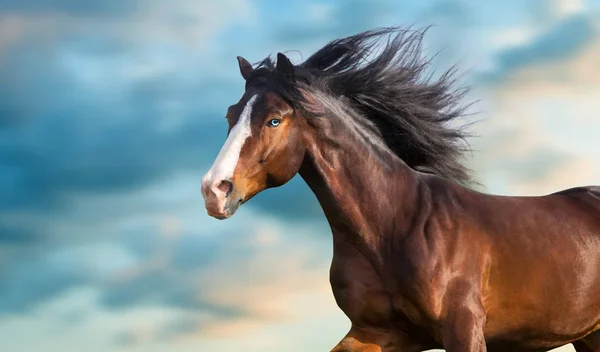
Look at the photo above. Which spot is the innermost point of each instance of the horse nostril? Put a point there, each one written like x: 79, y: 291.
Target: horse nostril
x: 226, y: 187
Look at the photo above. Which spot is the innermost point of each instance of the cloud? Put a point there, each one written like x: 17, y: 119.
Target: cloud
x: 70, y: 6
x: 47, y: 325
x: 111, y: 112
x: 32, y: 281
x: 86, y: 246
x: 548, y: 11
x: 186, y: 22
x: 181, y: 275
x: 16, y: 235
x: 68, y: 141
x: 565, y: 39
x: 11, y: 29
x: 324, y: 22
x: 134, y: 261
x: 538, y: 134
x: 41, y: 261
x: 153, y: 329
x: 176, y: 273
x: 84, y: 117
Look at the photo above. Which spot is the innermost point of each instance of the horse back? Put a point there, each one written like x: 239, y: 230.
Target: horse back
x: 587, y: 200
x: 588, y: 194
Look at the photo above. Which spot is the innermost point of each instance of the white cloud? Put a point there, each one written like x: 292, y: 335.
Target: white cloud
x: 278, y: 284
x: 542, y: 112
x: 561, y: 8
x: 548, y: 12
x: 276, y: 274
x: 93, y: 328
x: 500, y: 38
x: 274, y: 270
x: 190, y: 24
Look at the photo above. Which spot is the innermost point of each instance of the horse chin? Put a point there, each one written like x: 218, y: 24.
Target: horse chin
x: 219, y: 216
x: 228, y: 212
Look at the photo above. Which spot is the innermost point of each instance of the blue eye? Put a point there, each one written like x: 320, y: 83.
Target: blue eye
x: 273, y: 123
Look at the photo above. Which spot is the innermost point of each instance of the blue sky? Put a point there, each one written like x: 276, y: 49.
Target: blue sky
x: 111, y: 111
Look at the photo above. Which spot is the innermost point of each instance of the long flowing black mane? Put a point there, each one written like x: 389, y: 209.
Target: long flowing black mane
x: 388, y: 85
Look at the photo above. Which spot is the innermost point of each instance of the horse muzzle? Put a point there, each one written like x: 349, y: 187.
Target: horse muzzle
x: 219, y: 198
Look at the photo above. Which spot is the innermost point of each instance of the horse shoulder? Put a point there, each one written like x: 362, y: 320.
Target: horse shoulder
x: 444, y: 250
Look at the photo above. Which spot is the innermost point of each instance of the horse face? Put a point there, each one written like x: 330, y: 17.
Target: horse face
x: 263, y: 149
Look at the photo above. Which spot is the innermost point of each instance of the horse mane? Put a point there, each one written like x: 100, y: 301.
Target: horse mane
x: 387, y: 85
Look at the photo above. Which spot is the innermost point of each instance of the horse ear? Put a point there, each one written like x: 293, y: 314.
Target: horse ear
x: 284, y: 66
x: 245, y: 67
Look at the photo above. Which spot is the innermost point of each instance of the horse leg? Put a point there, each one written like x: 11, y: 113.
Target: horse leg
x: 373, y: 340
x: 463, y: 326
x: 590, y: 343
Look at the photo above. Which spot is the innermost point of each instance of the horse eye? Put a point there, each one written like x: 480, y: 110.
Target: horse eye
x: 273, y: 122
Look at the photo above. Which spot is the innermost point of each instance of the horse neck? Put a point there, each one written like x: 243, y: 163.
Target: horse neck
x: 365, y: 190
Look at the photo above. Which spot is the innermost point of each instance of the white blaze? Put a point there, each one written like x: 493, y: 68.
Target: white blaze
x: 224, y: 165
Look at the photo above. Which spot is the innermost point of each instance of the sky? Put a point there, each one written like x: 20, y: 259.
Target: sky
x: 111, y: 111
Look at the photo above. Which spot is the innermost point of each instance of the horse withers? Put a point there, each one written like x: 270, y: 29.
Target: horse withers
x: 420, y: 260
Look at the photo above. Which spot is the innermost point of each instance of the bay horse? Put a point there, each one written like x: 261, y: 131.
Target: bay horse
x: 420, y: 259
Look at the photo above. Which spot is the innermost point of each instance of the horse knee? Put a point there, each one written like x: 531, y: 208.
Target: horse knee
x: 350, y: 344
x: 358, y: 340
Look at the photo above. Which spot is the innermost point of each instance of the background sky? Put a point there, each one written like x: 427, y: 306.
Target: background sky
x: 111, y: 111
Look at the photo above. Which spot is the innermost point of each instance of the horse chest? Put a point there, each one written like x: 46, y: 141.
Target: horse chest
x: 367, y: 301
x: 364, y: 298
x: 359, y: 292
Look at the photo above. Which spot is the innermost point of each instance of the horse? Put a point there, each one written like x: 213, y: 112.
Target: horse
x: 421, y: 259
